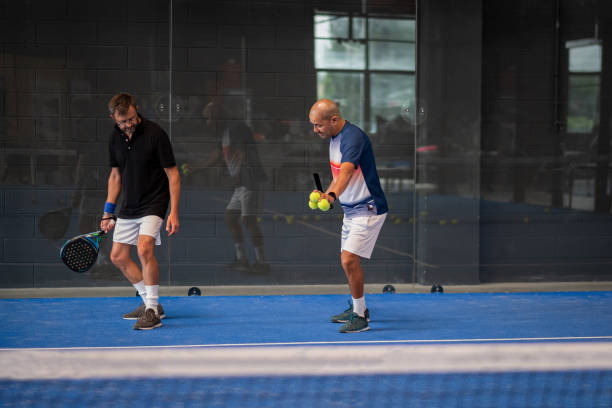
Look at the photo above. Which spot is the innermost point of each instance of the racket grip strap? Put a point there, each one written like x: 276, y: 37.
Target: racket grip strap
x: 109, y: 207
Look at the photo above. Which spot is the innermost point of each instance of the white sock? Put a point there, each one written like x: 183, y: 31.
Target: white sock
x: 259, y: 254
x: 239, y: 251
x: 142, y: 291
x: 152, y: 297
x: 359, y: 306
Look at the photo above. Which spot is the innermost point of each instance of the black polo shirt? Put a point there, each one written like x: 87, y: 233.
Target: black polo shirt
x: 141, y: 162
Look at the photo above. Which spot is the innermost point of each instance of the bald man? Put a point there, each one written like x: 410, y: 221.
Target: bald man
x: 357, y: 188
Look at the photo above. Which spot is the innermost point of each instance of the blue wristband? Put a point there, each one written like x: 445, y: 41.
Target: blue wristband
x: 109, y: 207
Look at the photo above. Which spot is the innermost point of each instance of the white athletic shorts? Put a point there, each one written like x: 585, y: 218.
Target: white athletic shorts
x: 244, y: 200
x: 359, y: 234
x: 127, y: 230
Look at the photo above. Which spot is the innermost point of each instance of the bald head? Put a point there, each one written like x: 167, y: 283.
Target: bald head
x: 326, y: 118
x: 326, y: 108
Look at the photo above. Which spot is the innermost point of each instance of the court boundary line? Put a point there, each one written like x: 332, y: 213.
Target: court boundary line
x: 306, y: 361
x: 566, y: 339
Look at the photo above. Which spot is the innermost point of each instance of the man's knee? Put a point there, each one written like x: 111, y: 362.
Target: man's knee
x: 120, y: 256
x: 146, y: 249
x: 349, y: 261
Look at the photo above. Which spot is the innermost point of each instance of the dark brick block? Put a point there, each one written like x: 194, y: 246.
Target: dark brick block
x: 288, y: 108
x: 295, y: 38
x: 16, y: 226
x: 34, y: 201
x: 255, y: 84
x: 49, y: 56
x: 195, y: 83
x: 109, y: 10
x: 148, y: 10
x: 276, y: 61
x: 18, y: 130
x: 195, y: 35
x: 65, y: 32
x: 97, y: 57
x: 22, y: 80
x: 246, y: 37
x: 24, y: 250
x: 65, y: 80
x: 133, y: 34
x: 113, y: 81
x: 303, y: 85
x: 211, y: 59
x: 92, y: 105
x: 16, y: 275
x: 40, y: 104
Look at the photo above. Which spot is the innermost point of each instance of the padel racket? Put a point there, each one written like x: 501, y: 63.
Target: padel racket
x: 80, y: 253
x: 319, y: 186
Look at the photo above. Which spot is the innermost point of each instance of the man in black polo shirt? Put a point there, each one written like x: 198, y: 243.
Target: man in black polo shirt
x: 144, y: 170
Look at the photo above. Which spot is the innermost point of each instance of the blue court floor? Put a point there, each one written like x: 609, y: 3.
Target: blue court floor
x: 304, y: 319
x: 424, y: 350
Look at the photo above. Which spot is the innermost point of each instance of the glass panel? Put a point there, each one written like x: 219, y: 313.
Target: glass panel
x: 359, y: 27
x: 391, y: 56
x: 59, y: 67
x: 392, y: 29
x: 585, y: 58
x: 390, y: 92
x: 583, y: 103
x: 334, y: 54
x: 346, y: 89
x: 331, y: 26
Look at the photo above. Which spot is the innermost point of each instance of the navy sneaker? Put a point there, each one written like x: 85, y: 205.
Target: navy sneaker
x: 345, y: 316
x: 355, y: 324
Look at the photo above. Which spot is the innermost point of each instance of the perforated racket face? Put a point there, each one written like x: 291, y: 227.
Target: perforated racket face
x: 79, y: 254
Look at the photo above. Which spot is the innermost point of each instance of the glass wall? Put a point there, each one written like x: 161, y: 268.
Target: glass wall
x: 490, y: 124
x: 231, y: 82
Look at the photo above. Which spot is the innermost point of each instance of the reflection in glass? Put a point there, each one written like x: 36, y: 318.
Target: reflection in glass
x: 346, y: 89
x: 389, y: 92
x: 584, y: 83
x: 391, y: 29
x: 331, y: 26
x: 391, y: 56
x: 371, y: 46
x: 335, y: 54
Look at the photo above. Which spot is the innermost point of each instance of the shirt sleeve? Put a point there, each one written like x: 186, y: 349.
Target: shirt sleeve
x: 351, y: 148
x: 165, y: 152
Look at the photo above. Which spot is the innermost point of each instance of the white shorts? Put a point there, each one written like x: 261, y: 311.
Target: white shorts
x: 244, y: 200
x: 127, y: 230
x: 359, y: 234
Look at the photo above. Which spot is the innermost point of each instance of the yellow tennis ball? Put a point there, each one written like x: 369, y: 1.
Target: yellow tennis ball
x: 323, y: 205
x: 314, y: 196
x: 313, y: 205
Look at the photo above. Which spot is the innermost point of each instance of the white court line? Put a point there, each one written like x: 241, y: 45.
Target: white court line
x: 323, y: 343
x: 304, y: 361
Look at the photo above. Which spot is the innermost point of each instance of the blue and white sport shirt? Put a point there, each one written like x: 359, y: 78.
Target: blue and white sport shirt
x: 364, y: 194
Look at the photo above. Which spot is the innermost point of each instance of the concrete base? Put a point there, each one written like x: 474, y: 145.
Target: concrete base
x: 125, y: 291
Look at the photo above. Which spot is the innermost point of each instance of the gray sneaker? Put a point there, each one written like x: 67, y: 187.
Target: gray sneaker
x: 139, y: 311
x: 149, y: 320
x: 345, y: 316
x: 355, y: 324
